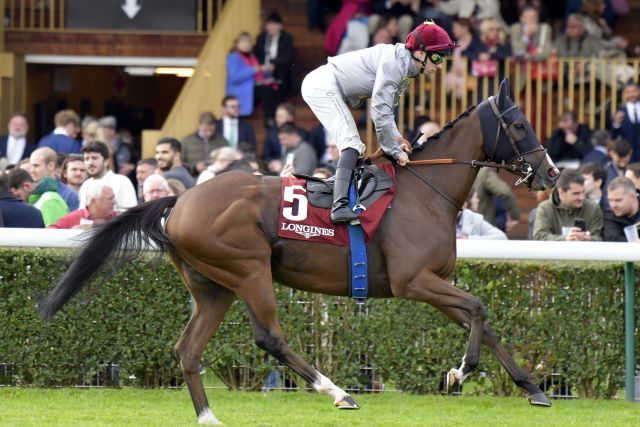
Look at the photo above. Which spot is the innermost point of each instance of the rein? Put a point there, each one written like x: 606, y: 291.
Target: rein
x: 524, y: 167
x: 434, y: 188
x: 477, y: 163
x: 473, y: 163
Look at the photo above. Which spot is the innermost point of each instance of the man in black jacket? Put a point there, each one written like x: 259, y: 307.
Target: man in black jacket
x: 236, y: 131
x: 624, y: 209
x: 274, y: 49
x: 626, y: 121
x: 15, y: 146
x: 570, y: 142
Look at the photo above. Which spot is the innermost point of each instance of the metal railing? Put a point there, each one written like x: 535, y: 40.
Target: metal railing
x: 50, y: 15
x: 591, y: 87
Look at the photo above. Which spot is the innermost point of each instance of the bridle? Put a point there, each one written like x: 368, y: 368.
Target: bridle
x: 523, y: 166
x: 516, y: 164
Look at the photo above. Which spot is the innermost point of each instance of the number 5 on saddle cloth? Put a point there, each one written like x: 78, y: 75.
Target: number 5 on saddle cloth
x: 305, y: 215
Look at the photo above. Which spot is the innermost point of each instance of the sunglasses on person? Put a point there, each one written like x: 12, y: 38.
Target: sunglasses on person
x: 437, y: 58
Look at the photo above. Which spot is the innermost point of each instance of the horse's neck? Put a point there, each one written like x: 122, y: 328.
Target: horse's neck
x: 462, y: 141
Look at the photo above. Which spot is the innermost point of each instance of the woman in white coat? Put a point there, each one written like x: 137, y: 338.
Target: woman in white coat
x: 472, y: 225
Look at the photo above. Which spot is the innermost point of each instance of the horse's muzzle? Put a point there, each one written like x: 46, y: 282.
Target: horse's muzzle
x: 541, y: 181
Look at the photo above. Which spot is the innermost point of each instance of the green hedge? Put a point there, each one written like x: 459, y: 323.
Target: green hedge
x: 551, y: 316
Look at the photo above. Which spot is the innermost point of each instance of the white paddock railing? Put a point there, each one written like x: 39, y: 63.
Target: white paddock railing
x: 476, y: 249
x: 39, y: 238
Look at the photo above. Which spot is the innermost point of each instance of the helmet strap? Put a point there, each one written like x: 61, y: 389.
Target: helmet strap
x: 422, y: 62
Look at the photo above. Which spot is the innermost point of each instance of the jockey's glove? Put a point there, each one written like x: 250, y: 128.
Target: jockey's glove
x: 403, y: 158
x: 404, y: 144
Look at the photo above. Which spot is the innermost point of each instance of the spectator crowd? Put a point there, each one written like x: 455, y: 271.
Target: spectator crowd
x: 87, y: 170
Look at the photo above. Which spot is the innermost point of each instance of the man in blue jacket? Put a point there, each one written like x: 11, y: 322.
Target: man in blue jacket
x: 63, y: 137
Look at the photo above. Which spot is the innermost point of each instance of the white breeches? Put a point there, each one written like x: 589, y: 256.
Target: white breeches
x: 321, y: 92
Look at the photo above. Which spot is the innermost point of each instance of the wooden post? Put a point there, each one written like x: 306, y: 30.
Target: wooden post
x: 443, y: 94
x: 2, y: 27
x: 369, y: 142
x: 61, y: 22
x: 199, y: 17
x: 538, y: 95
x: 592, y: 92
x: 412, y: 105
x: 549, y: 115
x: 603, y: 94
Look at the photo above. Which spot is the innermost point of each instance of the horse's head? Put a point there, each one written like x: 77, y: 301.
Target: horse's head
x: 510, y: 139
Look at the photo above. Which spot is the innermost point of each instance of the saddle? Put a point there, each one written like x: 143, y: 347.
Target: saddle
x: 372, y: 183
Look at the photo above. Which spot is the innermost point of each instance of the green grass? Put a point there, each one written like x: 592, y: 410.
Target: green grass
x: 136, y: 407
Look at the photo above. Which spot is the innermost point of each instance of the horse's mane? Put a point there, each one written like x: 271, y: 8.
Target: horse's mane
x: 379, y: 153
x: 450, y: 124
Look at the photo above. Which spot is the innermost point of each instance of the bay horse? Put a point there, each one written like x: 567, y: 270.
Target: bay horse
x: 222, y: 237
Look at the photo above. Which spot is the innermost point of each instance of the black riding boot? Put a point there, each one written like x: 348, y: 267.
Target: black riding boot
x: 340, y: 211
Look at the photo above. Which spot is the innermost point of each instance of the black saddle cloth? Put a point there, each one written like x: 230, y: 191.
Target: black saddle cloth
x: 373, y: 182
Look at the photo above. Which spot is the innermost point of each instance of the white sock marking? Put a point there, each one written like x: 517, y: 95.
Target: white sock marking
x: 207, y: 417
x: 325, y: 386
x: 459, y: 372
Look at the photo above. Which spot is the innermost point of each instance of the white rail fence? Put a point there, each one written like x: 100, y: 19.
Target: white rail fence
x: 478, y: 249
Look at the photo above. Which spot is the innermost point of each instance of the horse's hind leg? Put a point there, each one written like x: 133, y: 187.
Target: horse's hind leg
x: 211, y: 304
x: 261, y: 303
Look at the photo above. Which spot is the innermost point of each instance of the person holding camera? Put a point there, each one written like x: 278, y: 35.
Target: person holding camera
x: 568, y: 214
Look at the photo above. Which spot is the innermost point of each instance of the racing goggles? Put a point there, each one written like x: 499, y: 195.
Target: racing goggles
x: 437, y: 58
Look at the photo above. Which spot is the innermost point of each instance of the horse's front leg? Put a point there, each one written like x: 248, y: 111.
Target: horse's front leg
x: 451, y: 301
x: 468, y: 312
x: 517, y: 374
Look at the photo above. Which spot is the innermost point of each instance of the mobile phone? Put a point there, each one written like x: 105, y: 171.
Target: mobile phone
x: 580, y: 223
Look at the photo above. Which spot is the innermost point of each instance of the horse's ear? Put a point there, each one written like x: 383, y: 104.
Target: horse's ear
x: 503, y: 93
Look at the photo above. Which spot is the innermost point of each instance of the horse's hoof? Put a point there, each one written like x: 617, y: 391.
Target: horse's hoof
x: 452, y: 380
x: 347, y: 403
x: 539, y: 399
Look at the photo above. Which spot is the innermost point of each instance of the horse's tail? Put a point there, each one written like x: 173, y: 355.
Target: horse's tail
x: 111, y: 245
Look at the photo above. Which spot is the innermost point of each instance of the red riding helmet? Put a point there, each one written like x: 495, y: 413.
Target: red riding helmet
x: 429, y: 37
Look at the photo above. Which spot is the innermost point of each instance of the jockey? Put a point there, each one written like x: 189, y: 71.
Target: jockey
x: 381, y: 73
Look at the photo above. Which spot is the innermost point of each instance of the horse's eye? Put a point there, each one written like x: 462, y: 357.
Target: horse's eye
x: 519, y: 126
